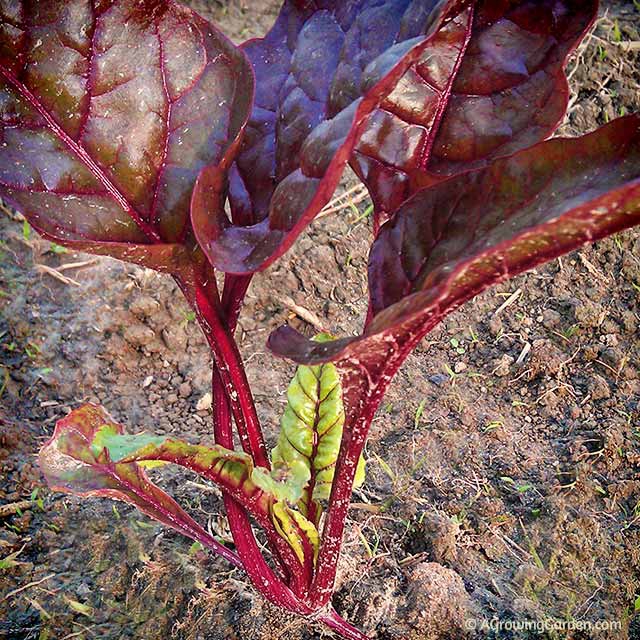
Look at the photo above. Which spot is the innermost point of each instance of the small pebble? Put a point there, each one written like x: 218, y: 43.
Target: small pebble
x: 438, y: 379
x: 139, y: 335
x: 205, y: 402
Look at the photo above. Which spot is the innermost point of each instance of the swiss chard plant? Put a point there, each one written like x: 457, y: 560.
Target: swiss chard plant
x: 135, y: 129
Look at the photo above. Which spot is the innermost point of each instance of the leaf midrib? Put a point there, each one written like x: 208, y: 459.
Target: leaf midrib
x: 81, y: 153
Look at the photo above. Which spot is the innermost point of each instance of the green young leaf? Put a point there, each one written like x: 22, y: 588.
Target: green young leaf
x: 310, y: 435
x: 90, y: 454
x: 301, y: 534
x: 82, y: 458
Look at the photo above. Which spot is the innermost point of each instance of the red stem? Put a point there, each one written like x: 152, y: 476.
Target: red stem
x: 235, y: 289
x: 298, y: 577
x: 229, y: 363
x: 353, y: 441
x: 261, y: 575
x: 200, y: 289
x: 341, y: 626
x: 228, y: 373
x: 219, y: 334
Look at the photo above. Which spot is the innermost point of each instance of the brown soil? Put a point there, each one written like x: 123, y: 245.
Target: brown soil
x: 498, y: 486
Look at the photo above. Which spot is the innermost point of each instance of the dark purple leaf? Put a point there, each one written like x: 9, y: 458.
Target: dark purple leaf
x: 108, y: 112
x: 449, y: 242
x: 497, y: 90
x: 323, y: 68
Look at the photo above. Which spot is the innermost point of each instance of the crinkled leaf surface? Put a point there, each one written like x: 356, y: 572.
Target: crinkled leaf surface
x: 305, y: 456
x: 322, y: 69
x: 78, y: 460
x: 108, y: 112
x: 489, y: 84
x: 449, y: 242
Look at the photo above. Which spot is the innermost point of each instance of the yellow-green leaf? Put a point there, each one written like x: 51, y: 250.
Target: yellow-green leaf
x: 311, y: 433
x: 296, y: 530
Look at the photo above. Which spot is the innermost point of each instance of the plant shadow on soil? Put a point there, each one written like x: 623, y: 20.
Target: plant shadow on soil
x: 499, y: 486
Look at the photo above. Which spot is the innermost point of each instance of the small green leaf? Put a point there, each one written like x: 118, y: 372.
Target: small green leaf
x: 361, y: 473
x: 10, y: 561
x: 365, y: 544
x: 195, y: 548
x: 26, y: 231
x: 617, y: 34
x: 57, y: 249
x: 310, y: 435
x: 419, y: 413
x: 367, y: 212
x: 78, y: 607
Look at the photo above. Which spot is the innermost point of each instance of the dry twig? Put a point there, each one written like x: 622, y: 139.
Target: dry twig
x: 7, y: 510
x: 305, y: 314
x: 54, y: 273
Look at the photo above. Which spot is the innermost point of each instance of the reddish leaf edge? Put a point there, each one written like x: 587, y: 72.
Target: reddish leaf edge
x: 423, y: 178
x: 235, y: 250
x: 382, y: 332
x: 150, y: 496
x: 165, y: 257
x: 77, y: 460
